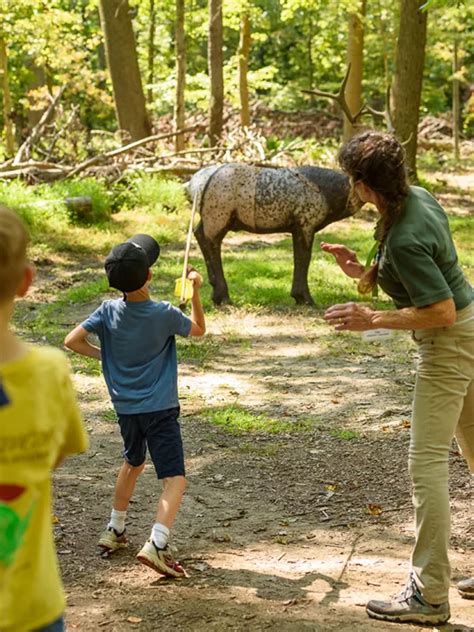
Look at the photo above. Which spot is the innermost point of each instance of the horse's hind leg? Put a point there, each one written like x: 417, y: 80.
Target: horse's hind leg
x: 211, y: 250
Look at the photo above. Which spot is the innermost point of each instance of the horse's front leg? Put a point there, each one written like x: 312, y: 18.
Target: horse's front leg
x: 302, y: 247
x: 211, y: 250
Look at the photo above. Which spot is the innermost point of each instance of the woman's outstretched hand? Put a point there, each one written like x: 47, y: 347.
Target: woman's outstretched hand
x: 350, y: 317
x: 345, y: 258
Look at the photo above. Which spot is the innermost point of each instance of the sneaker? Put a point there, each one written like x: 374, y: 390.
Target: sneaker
x: 110, y: 540
x: 160, y: 560
x: 409, y: 607
x: 466, y: 588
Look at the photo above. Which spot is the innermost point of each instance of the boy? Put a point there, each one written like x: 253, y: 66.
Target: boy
x: 138, y: 354
x: 39, y: 425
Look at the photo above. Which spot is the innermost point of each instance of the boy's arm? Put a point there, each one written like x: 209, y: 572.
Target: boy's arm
x: 77, y: 341
x: 198, y: 327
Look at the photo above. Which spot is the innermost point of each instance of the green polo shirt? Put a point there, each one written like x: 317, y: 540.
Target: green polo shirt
x: 419, y: 265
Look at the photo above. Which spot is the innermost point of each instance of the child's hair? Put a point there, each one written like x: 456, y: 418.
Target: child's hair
x: 378, y: 160
x: 13, y: 245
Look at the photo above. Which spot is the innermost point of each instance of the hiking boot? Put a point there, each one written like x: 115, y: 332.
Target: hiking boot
x: 160, y: 560
x: 110, y: 540
x: 409, y: 607
x: 466, y: 588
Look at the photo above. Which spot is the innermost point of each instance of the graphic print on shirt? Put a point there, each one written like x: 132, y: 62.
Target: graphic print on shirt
x: 12, y: 525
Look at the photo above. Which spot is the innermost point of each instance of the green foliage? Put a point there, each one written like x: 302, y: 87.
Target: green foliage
x: 38, y: 211
x: 345, y: 435
x: 239, y: 421
x: 97, y: 190
x: 295, y: 45
x: 156, y: 194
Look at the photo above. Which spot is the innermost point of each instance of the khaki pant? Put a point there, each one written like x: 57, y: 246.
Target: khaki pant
x: 443, y: 407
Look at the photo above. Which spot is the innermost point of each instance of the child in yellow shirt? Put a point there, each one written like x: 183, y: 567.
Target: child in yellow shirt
x: 39, y: 425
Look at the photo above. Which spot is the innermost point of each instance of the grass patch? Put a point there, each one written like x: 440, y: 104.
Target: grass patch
x: 238, y: 421
x: 83, y: 364
x: 197, y: 351
x: 109, y: 416
x: 345, y: 435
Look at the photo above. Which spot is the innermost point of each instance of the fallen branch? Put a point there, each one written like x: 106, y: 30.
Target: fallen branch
x: 25, y: 148
x: 122, y: 150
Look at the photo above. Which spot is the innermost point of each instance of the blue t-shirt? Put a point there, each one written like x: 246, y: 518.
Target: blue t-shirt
x: 138, y: 350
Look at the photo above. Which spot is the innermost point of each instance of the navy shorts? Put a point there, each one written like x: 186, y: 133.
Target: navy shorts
x: 159, y: 431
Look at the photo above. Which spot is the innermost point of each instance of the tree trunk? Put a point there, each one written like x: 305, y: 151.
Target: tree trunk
x: 36, y: 80
x: 7, y: 104
x: 456, y: 99
x: 123, y: 66
x: 151, y: 51
x: 179, y: 112
x: 244, y: 52
x: 408, y: 79
x: 216, y: 72
x: 355, y: 57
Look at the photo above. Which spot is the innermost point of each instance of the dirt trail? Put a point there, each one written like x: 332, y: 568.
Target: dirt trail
x: 278, y: 532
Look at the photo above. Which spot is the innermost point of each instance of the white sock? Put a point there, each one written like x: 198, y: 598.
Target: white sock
x: 160, y: 535
x: 117, y: 520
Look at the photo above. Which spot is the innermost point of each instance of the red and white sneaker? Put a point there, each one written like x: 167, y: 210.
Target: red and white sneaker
x: 160, y: 560
x: 110, y: 540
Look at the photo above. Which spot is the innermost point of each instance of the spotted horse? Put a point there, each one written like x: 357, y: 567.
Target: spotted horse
x: 299, y: 200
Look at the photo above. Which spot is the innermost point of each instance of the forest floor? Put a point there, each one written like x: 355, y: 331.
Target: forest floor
x: 288, y: 530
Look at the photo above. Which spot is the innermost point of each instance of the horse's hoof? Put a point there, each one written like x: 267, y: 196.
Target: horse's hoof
x: 221, y: 301
x: 304, y: 300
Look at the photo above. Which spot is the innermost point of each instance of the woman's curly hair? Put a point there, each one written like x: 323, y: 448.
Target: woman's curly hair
x: 378, y: 160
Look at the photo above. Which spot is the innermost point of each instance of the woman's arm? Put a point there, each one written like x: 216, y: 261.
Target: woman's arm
x: 360, y: 317
x: 345, y: 258
x: 77, y: 341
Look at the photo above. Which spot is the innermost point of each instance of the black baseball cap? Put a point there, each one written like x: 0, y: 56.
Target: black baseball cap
x: 128, y: 263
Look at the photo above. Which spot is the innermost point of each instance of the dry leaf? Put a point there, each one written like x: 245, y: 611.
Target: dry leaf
x: 406, y: 423
x: 374, y: 510
x: 134, y: 619
x: 55, y: 520
x: 330, y: 488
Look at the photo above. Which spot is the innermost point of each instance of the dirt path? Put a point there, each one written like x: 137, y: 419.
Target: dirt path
x: 280, y: 532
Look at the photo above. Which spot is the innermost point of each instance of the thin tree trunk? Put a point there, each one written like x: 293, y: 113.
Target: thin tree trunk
x: 456, y: 99
x: 310, y: 53
x: 7, y: 104
x: 408, y: 79
x: 123, y: 66
x: 179, y: 110
x: 385, y: 46
x: 244, y: 52
x: 216, y: 72
x: 355, y: 57
x: 151, y: 51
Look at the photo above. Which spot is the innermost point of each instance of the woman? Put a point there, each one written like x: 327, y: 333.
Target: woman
x: 416, y: 265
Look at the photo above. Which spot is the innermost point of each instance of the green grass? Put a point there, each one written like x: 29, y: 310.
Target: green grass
x: 198, y: 351
x: 259, y: 275
x: 345, y: 435
x: 83, y: 364
x: 109, y: 416
x: 239, y: 421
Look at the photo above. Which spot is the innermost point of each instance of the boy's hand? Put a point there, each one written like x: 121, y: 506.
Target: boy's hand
x: 194, y: 276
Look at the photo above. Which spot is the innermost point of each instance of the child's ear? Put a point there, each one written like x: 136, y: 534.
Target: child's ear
x: 26, y: 281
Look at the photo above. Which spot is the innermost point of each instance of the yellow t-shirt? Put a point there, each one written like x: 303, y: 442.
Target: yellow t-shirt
x: 39, y: 423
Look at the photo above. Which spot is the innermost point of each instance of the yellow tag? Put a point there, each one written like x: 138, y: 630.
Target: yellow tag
x: 188, y: 289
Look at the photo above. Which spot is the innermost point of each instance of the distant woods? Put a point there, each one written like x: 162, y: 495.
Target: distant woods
x: 147, y: 66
